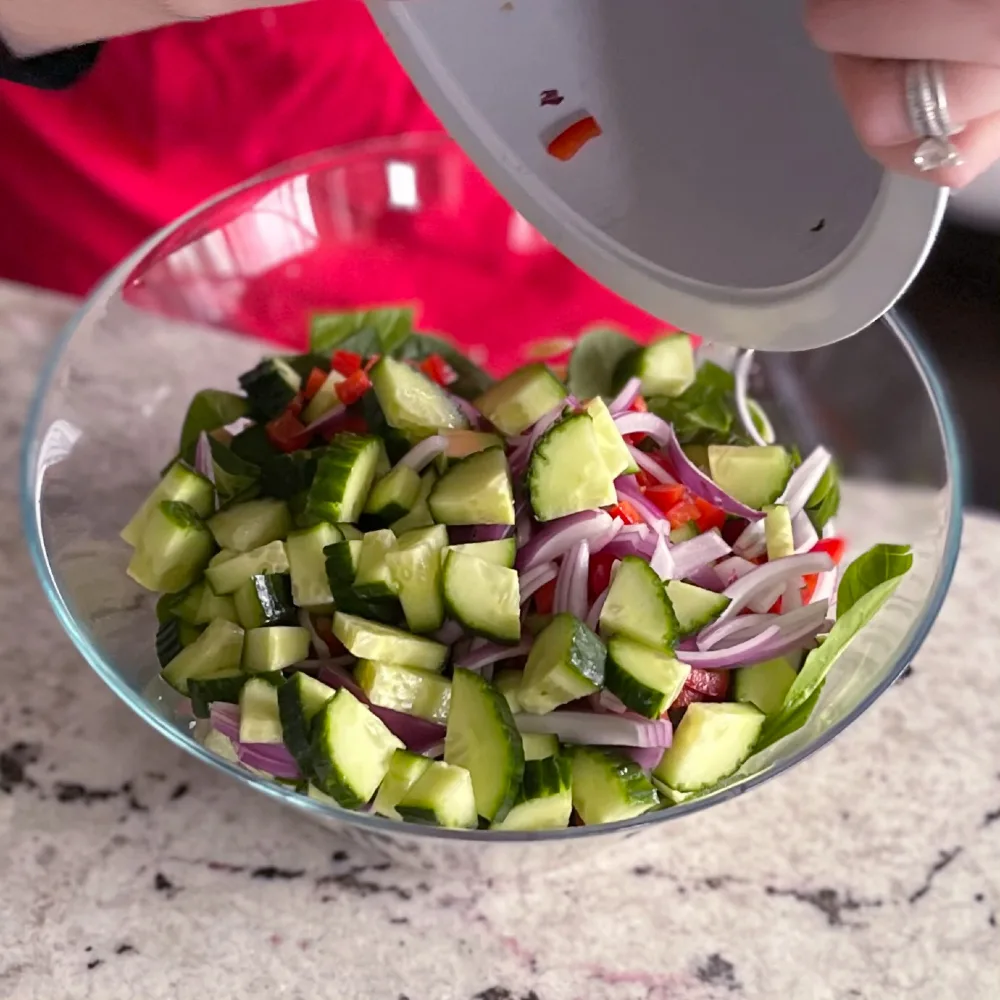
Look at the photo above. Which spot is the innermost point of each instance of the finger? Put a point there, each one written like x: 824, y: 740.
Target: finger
x: 874, y: 91
x: 956, y: 30
x: 979, y: 145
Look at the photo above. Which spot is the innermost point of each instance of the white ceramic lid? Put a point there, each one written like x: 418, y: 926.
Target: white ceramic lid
x: 727, y: 193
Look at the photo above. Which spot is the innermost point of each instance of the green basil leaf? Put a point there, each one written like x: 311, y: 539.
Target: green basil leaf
x: 824, y: 502
x: 235, y: 478
x: 874, y: 567
x: 780, y: 725
x: 366, y: 332
x: 209, y: 410
x: 595, y: 357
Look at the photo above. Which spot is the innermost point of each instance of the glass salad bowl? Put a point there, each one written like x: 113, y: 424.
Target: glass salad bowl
x: 410, y: 220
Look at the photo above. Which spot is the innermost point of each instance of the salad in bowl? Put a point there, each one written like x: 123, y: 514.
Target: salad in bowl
x: 591, y: 589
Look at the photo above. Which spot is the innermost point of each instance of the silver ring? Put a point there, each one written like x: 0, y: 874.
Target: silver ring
x: 927, y: 109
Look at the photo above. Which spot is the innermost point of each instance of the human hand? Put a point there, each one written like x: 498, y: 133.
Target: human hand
x: 872, y: 41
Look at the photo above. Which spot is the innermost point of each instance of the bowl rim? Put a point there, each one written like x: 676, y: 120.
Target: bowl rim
x: 30, y: 481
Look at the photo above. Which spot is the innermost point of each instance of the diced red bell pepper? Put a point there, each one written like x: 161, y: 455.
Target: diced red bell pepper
x: 709, y: 516
x: 600, y: 574
x: 625, y: 512
x: 545, y: 598
x: 571, y: 140
x: 834, y: 548
x: 639, y: 405
x: 346, y: 362
x: 286, y: 432
x: 353, y: 388
x: 438, y: 370
x: 666, y: 495
x: 314, y: 383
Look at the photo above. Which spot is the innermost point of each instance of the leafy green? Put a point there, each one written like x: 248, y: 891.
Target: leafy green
x: 209, y: 410
x: 366, y: 332
x: 781, y: 725
x: 303, y: 364
x: 253, y: 445
x: 284, y: 476
x: 472, y: 380
x: 705, y: 413
x: 824, y: 502
x: 593, y: 362
x: 879, y: 564
x: 235, y: 478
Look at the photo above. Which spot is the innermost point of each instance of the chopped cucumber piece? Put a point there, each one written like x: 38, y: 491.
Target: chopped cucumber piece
x: 405, y: 689
x: 502, y: 552
x: 483, y: 597
x: 350, y: 532
x: 415, y: 565
x: 222, y: 746
x: 610, y: 442
x: 566, y: 662
x: 516, y: 402
x: 538, y: 746
x: 420, y: 513
x: 183, y: 605
x: 645, y: 680
x: 404, y: 769
x: 173, y: 549
x: 344, y: 476
x: 608, y: 787
x: 508, y: 683
x: 567, y: 472
x: 411, y: 402
x: 250, y: 525
x: 475, y: 490
x: 211, y: 606
x: 342, y: 561
x: 274, y: 648
x: 265, y: 599
x: 178, y: 483
x: 168, y: 641
x: 462, y: 444
x: 203, y: 691
x: 637, y: 606
x: 394, y: 495
x: 694, y: 607
x: 368, y: 640
x: 545, y: 800
x: 227, y: 577
x: 326, y: 398
x: 442, y: 796
x: 665, y: 367
x: 259, y: 718
x: 778, y: 533
x: 482, y: 738
x: 684, y: 533
x: 374, y: 578
x: 755, y: 475
x: 711, y: 742
x: 270, y: 387
x: 307, y: 563
x: 300, y: 699
x: 350, y: 750
x: 764, y: 685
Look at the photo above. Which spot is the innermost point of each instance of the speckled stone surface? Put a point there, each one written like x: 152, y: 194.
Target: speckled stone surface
x: 130, y: 870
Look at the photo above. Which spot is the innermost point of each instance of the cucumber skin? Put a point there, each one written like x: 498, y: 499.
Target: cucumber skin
x: 327, y: 499
x: 267, y: 388
x: 641, y: 699
x: 637, y: 793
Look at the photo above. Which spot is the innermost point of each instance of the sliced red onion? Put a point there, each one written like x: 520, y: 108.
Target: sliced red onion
x: 435, y: 752
x: 594, y: 729
x: 421, y: 455
x: 697, y: 482
x: 732, y: 569
x: 646, y: 757
x: 272, y: 758
x: 804, y: 535
x: 826, y: 585
x: 225, y: 718
x: 625, y: 486
x: 694, y: 554
x: 804, y: 480
x: 318, y: 643
x: 740, y: 655
x: 650, y: 465
x: 328, y: 420
x: 752, y: 542
x: 576, y: 585
x: 661, y: 561
x: 463, y: 534
x: 608, y: 702
x: 519, y: 458
x: 594, y: 615
x: 791, y: 598
x: 599, y: 543
x: 417, y: 734
x: 736, y: 630
x: 631, y: 545
x: 468, y: 411
x: 557, y: 537
x: 645, y: 423
x: 741, y: 374
x: 484, y: 653
x: 448, y: 634
x: 704, y: 577
x: 203, y: 463
x: 763, y: 579
x: 523, y: 522
x: 534, y: 579
x: 629, y: 391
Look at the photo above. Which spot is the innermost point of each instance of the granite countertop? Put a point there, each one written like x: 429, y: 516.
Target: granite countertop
x: 130, y: 870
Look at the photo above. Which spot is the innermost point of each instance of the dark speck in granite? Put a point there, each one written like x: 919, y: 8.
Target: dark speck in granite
x: 642, y: 870
x: 906, y: 674
x: 162, y: 884
x: 399, y: 920
x: 124, y: 949
x: 225, y: 866
x: 717, y: 971
x: 71, y: 791
x: 14, y: 762
x: 828, y: 901
x: 94, y: 963
x: 502, y: 993
x: 179, y: 792
x: 945, y: 858
x: 339, y: 856
x: 991, y: 817
x: 270, y: 872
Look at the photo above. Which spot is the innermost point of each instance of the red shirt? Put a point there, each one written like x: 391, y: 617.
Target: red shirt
x: 169, y: 117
